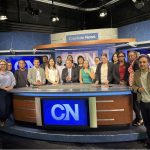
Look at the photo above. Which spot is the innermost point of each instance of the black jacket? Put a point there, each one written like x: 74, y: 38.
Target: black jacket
x: 109, y: 74
x: 74, y: 75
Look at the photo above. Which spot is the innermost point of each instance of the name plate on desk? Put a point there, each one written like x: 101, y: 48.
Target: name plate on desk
x: 65, y: 112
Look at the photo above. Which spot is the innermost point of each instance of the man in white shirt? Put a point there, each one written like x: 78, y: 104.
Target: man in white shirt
x: 104, y: 71
x: 59, y: 66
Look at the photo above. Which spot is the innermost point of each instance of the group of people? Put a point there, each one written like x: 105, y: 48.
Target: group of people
x: 134, y: 73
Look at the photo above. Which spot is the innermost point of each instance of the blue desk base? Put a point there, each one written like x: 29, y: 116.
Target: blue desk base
x: 131, y: 134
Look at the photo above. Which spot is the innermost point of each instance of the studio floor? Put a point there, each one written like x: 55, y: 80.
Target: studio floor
x: 15, y: 142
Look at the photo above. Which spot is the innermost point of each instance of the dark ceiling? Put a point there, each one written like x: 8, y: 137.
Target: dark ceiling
x: 120, y: 12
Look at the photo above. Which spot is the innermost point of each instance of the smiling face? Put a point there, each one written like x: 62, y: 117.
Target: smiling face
x: 45, y: 59
x: 115, y: 58
x: 143, y: 63
x: 3, y: 65
x: 70, y: 58
x: 85, y: 64
x: 80, y: 60
x: 69, y: 63
x: 104, y: 59
x: 51, y: 62
x: 59, y: 60
x: 121, y: 57
x: 21, y: 64
x: 9, y: 66
x: 36, y: 63
x: 132, y: 56
x: 97, y: 61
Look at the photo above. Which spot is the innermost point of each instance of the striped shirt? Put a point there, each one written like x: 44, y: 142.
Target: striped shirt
x: 7, y: 79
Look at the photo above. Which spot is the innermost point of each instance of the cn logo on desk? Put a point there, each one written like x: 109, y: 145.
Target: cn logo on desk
x: 65, y: 112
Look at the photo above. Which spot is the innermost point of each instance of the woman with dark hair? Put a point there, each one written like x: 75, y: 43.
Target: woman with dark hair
x: 120, y: 71
x: 115, y: 58
x: 86, y: 74
x: 51, y: 72
x: 7, y: 82
x: 80, y: 61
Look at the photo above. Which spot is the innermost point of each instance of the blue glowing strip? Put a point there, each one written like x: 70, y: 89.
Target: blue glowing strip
x: 73, y: 94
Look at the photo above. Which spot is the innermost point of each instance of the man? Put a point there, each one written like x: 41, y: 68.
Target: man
x: 96, y: 61
x: 9, y: 66
x: 45, y: 62
x: 71, y: 59
x: 36, y: 75
x: 141, y: 86
x: 70, y: 74
x: 21, y: 75
x: 104, y: 71
x: 59, y: 61
x: 132, y: 56
x: 59, y: 66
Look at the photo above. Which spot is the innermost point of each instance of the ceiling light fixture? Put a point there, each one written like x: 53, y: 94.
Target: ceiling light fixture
x: 138, y: 3
x: 103, y: 13
x: 3, y: 17
x: 54, y: 18
x: 3, y: 10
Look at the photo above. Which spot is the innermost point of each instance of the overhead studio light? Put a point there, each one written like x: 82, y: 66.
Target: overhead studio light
x: 54, y: 17
x: 103, y: 13
x: 3, y: 17
x: 3, y: 10
x: 138, y: 3
x: 134, y: 1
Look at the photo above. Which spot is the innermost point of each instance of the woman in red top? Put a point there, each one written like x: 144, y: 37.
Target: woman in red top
x: 120, y: 71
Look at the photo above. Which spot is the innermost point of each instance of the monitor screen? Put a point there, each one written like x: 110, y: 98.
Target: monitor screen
x: 64, y: 112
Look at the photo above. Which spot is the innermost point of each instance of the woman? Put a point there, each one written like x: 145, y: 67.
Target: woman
x: 80, y: 61
x: 120, y: 71
x: 104, y: 71
x: 51, y: 72
x: 115, y: 58
x: 7, y: 82
x: 86, y: 74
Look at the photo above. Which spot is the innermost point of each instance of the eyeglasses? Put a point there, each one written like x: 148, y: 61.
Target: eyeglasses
x: 142, y: 62
x: 2, y: 64
x: 121, y: 56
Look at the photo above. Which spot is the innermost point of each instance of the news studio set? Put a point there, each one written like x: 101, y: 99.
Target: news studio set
x: 74, y: 112
x: 50, y: 112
